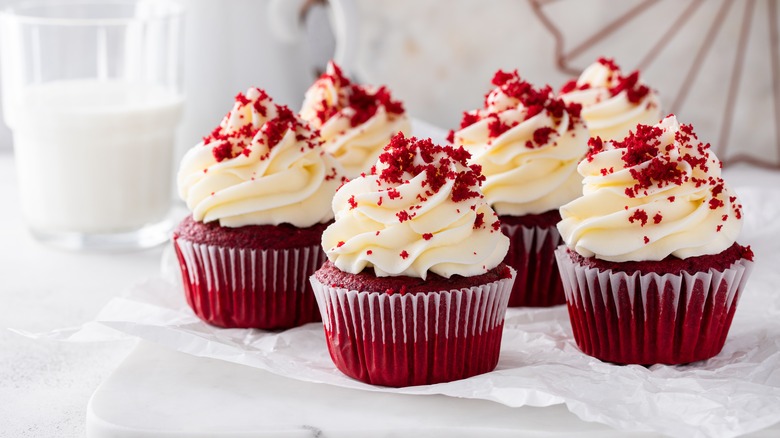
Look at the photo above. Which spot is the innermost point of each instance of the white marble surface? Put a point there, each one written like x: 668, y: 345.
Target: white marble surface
x: 158, y: 391
x: 45, y: 385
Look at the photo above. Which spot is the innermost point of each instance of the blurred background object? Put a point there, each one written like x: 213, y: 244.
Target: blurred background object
x: 715, y: 63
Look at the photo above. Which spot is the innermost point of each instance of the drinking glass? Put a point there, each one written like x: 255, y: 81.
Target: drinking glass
x: 92, y: 92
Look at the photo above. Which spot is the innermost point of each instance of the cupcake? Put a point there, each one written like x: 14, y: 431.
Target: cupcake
x: 612, y: 104
x: 355, y: 121
x: 259, y: 188
x: 651, y: 267
x: 528, y: 143
x: 414, y: 291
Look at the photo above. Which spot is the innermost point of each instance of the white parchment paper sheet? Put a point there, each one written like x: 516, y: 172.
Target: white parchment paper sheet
x: 734, y: 393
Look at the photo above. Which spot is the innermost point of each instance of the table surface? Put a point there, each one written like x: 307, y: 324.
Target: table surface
x: 49, y: 383
x: 45, y: 385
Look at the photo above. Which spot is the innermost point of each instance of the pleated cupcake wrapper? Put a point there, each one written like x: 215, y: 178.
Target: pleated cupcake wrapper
x: 651, y: 318
x: 248, y: 288
x: 414, y: 339
x: 532, y: 254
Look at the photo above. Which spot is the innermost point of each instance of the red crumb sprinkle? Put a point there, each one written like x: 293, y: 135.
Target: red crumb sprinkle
x: 542, y: 135
x: 404, y: 255
x: 496, y: 225
x: 747, y: 253
x: 657, y: 218
x: 718, y: 228
x: 332, y: 175
x: 595, y: 145
x: 639, y: 215
x: 393, y: 193
x: 340, y: 244
x: 439, y: 163
x: 569, y: 86
x: 534, y: 100
x: 634, y: 89
x: 671, y: 198
x: 497, y: 127
x: 608, y: 62
x: 352, y: 202
x: 479, y: 220
x: 451, y: 136
x: 276, y: 128
x: 235, y: 141
x: 647, y: 240
x: 427, y: 236
x: 240, y: 98
x: 223, y: 151
x: 715, y: 203
x: 369, y: 252
x: 642, y: 147
x: 403, y: 216
x: 362, y: 101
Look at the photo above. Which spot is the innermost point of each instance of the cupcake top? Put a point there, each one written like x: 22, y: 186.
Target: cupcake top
x: 656, y: 193
x: 355, y: 121
x: 612, y: 104
x: 261, y: 166
x: 419, y: 209
x: 528, y: 143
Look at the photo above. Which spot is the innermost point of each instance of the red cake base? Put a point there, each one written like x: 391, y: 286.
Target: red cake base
x: 249, y: 277
x: 416, y: 337
x: 532, y: 242
x: 653, y: 312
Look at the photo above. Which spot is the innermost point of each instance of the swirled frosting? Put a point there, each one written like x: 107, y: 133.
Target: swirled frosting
x: 355, y: 121
x: 656, y: 193
x: 528, y: 143
x: 261, y: 166
x: 419, y: 210
x: 612, y: 104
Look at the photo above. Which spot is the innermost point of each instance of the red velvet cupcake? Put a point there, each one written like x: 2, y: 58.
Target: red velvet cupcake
x: 528, y: 143
x: 415, y: 291
x: 652, y: 273
x: 259, y: 187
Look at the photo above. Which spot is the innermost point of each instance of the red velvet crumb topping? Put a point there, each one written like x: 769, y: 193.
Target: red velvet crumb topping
x: 534, y: 100
x: 399, y: 160
x: 635, y: 90
x: 363, y: 101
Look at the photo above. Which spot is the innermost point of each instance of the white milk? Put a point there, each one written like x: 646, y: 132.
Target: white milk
x: 94, y: 157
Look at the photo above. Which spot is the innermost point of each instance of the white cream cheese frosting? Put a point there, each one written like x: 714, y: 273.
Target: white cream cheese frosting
x: 658, y: 192
x: 419, y: 210
x: 612, y: 104
x: 355, y: 121
x: 528, y: 143
x: 261, y: 166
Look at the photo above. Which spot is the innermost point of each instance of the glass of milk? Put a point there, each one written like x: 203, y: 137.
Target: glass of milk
x: 92, y: 91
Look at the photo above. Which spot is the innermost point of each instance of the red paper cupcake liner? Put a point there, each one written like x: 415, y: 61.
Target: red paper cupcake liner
x: 650, y: 318
x: 532, y: 254
x: 247, y: 288
x: 414, y: 339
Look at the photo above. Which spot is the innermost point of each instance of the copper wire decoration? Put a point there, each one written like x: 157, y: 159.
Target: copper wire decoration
x: 731, y: 141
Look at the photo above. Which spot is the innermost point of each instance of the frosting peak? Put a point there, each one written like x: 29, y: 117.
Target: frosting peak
x: 612, y: 104
x: 420, y: 209
x: 355, y: 121
x: 261, y: 166
x: 656, y: 193
x: 528, y: 143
